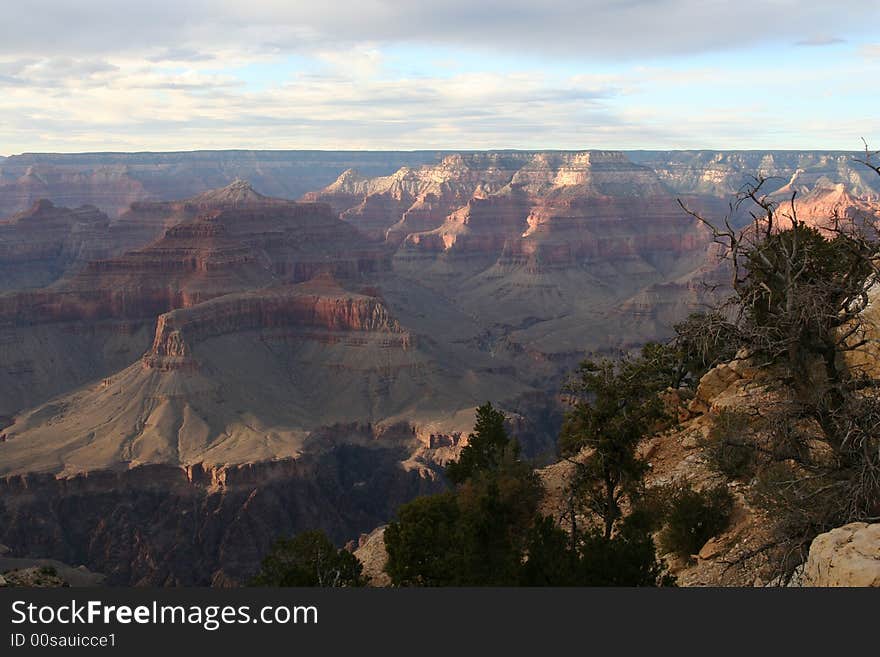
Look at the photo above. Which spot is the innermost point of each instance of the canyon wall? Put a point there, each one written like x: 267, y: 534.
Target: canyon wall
x: 112, y: 181
x: 214, y: 366
x: 169, y: 526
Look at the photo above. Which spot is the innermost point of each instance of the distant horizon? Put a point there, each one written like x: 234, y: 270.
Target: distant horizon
x: 438, y: 150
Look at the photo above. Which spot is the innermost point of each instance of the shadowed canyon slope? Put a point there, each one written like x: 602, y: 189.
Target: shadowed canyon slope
x: 40, y: 244
x: 234, y: 365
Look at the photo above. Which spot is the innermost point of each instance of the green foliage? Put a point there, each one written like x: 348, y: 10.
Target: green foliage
x: 797, y: 264
x: 799, y: 294
x: 648, y: 511
x: 309, y: 559
x: 624, y: 560
x: 695, y: 517
x: 486, y: 532
x: 627, y: 559
x: 474, y: 535
x: 422, y: 544
x: 779, y: 489
x: 615, y: 405
x: 550, y: 559
x: 493, y: 527
x: 729, y: 449
x: 488, y: 446
x: 797, y: 307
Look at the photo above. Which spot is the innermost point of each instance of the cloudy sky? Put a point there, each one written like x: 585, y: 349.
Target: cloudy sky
x: 85, y: 75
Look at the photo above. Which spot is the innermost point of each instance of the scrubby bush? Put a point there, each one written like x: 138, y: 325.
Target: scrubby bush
x: 695, y: 517
x: 729, y: 449
x: 627, y: 559
x: 309, y: 559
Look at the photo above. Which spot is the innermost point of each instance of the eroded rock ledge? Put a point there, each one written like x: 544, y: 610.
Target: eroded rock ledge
x: 162, y: 525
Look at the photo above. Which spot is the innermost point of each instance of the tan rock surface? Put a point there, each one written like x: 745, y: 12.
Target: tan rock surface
x: 372, y: 554
x: 845, y: 556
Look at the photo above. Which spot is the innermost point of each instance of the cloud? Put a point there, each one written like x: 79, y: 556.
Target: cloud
x: 871, y: 51
x: 177, y: 54
x: 364, y: 61
x: 130, y: 104
x: 820, y: 41
x: 579, y: 28
x: 177, y: 74
x: 334, y: 107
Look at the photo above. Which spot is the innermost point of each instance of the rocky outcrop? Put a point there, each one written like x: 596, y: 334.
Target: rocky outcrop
x: 415, y: 201
x: 112, y: 181
x: 723, y: 173
x: 43, y: 243
x: 45, y: 573
x: 32, y: 578
x: 229, y: 241
x: 370, y: 551
x: 737, y: 556
x: 146, y: 221
x: 319, y: 307
x: 559, y: 246
x: 724, y: 385
x: 238, y: 332
x: 27, y: 179
x: 846, y: 556
x: 485, y: 225
x: 91, y: 322
x: 827, y: 204
x: 164, y: 525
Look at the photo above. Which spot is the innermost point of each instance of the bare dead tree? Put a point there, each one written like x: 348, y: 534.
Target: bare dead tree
x: 870, y: 158
x: 798, y: 299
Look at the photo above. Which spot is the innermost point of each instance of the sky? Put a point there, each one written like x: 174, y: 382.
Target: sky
x: 113, y: 75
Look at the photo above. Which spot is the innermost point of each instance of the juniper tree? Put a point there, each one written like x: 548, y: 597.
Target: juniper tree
x: 798, y: 299
x: 614, y: 405
x: 487, y: 447
x: 309, y: 559
x: 475, y: 534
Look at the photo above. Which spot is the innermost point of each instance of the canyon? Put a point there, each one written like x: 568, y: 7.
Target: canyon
x: 113, y: 181
x: 193, y: 364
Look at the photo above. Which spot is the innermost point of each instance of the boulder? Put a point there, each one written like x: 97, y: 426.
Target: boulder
x: 846, y: 556
x: 712, y: 384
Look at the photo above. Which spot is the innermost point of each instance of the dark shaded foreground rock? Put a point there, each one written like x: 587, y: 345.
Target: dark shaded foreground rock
x: 170, y: 526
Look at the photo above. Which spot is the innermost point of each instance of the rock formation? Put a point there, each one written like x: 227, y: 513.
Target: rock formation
x: 234, y: 366
x: 43, y: 243
x: 846, y: 556
x: 721, y: 173
x: 171, y: 526
x: 113, y: 181
x: 44, y: 573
